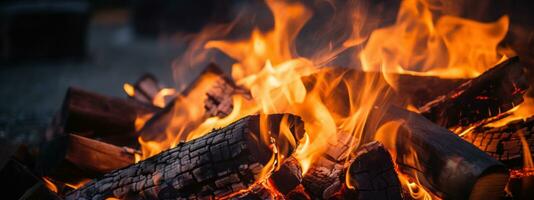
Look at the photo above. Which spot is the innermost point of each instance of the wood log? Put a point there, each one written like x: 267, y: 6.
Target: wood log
x: 178, y: 108
x: 504, y: 143
x: 218, y: 164
x: 326, y: 170
x: 494, y: 92
x: 101, y: 117
x: 219, y: 102
x: 372, y: 174
x: 73, y: 158
x: 146, y: 88
x: 445, y: 164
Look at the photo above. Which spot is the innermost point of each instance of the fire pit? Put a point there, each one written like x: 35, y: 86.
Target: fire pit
x: 377, y: 101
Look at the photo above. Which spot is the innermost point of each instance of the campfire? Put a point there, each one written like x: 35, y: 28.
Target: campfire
x: 422, y: 106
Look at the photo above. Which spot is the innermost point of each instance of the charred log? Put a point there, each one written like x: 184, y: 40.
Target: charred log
x: 494, y: 92
x: 328, y: 168
x: 373, y: 175
x: 96, y: 116
x: 73, y: 158
x: 504, y: 143
x: 444, y: 163
x: 218, y: 164
x: 219, y: 98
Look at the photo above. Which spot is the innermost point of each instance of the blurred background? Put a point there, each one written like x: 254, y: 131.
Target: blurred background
x: 48, y: 45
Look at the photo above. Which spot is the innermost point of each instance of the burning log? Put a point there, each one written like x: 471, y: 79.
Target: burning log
x: 504, y: 143
x: 96, y: 116
x: 494, y: 92
x: 218, y: 164
x: 144, y: 89
x: 219, y: 101
x: 328, y: 168
x: 443, y: 162
x: 73, y: 158
x: 373, y: 175
x: 196, y: 91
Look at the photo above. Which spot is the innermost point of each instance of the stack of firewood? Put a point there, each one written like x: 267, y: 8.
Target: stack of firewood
x: 91, y: 146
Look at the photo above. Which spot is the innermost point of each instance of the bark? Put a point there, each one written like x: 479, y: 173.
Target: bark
x: 218, y: 164
x: 73, y: 158
x: 494, y: 92
x: 373, y: 175
x: 504, y: 143
x: 444, y: 163
x: 97, y: 116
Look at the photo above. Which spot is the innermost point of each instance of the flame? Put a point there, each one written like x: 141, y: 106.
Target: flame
x: 49, y: 184
x: 449, y: 47
x: 159, y: 99
x: 387, y: 134
x: 78, y: 184
x: 129, y: 89
x: 332, y: 103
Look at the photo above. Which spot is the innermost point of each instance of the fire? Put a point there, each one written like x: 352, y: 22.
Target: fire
x: 49, y: 184
x: 269, y: 66
x: 159, y: 99
x: 449, y: 47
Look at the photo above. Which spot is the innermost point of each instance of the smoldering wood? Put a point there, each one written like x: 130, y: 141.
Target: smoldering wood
x: 447, y: 165
x: 494, y: 92
x: 73, y: 158
x: 327, y: 169
x: 504, y: 143
x: 162, y: 120
x: 372, y: 174
x: 222, y: 162
x: 284, y: 180
x: 219, y: 100
x: 146, y: 88
x: 97, y: 116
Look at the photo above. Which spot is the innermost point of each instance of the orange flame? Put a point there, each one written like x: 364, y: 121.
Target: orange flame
x: 334, y: 102
x: 48, y: 183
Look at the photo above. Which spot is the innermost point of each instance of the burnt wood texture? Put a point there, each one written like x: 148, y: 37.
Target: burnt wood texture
x: 494, y: 92
x: 504, y: 143
x: 372, y: 174
x: 446, y: 164
x: 218, y: 164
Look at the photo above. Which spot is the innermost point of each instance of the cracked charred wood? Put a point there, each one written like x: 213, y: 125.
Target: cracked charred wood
x: 221, y: 163
x: 327, y: 169
x: 73, y: 158
x: 504, y: 143
x: 219, y: 98
x: 494, y: 92
x: 444, y: 163
x: 284, y: 181
x: 97, y: 116
x: 372, y: 174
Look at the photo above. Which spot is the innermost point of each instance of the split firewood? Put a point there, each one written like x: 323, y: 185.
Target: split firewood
x: 219, y: 164
x: 177, y: 109
x: 372, y: 174
x: 444, y: 163
x: 494, y: 92
x: 73, y: 158
x: 101, y: 117
x: 219, y: 102
x: 144, y: 89
x: 504, y: 143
